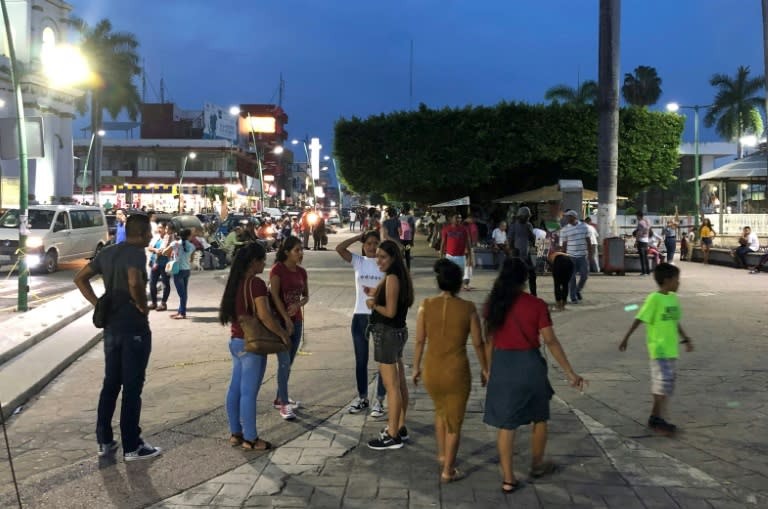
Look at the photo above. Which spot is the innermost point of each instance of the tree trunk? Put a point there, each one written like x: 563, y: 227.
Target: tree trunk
x: 608, y: 116
x: 97, y: 115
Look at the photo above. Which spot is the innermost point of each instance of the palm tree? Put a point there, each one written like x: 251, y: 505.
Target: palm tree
x: 731, y: 111
x: 113, y: 59
x: 584, y: 94
x: 608, y: 115
x: 643, y: 88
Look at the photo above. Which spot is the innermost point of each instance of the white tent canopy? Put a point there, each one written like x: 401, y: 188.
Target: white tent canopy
x: 746, y: 169
x: 453, y: 203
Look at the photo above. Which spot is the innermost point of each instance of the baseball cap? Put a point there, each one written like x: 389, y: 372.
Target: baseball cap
x: 571, y: 213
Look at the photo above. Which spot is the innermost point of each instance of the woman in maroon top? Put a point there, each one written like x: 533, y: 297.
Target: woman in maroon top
x: 290, y: 291
x: 246, y: 293
x: 518, y: 388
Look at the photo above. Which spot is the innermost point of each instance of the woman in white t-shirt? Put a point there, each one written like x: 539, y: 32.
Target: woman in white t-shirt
x: 367, y: 275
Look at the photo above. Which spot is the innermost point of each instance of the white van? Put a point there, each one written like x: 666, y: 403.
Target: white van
x: 57, y: 233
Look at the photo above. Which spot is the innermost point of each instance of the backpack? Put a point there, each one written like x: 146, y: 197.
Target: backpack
x: 405, y: 229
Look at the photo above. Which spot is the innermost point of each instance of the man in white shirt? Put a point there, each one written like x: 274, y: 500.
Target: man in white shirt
x: 500, y: 242
x: 575, y: 241
x: 594, y: 260
x: 748, y: 243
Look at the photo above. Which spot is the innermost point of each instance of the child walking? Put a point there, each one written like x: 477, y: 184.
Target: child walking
x: 661, y: 314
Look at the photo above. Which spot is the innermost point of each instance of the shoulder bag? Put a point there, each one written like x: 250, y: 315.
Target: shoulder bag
x: 258, y: 338
x: 172, y: 267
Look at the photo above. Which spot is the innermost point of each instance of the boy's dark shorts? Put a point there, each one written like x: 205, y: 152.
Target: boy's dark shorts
x: 388, y: 343
x: 663, y: 374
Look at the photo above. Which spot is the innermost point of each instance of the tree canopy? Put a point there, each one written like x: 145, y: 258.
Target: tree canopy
x: 436, y: 154
x: 584, y: 94
x: 642, y: 88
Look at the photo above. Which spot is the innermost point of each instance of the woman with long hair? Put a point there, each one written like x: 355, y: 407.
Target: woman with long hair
x: 706, y: 234
x: 518, y: 388
x: 367, y: 274
x: 182, y: 250
x: 290, y: 292
x: 445, y: 321
x: 246, y: 294
x: 389, y: 303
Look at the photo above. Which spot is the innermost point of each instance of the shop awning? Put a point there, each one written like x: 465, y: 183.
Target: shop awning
x: 160, y: 189
x: 453, y: 203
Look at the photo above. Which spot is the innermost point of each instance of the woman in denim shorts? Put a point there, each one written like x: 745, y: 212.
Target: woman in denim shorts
x: 389, y: 303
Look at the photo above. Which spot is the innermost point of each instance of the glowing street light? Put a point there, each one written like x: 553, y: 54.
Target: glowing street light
x: 278, y: 150
x: 65, y: 66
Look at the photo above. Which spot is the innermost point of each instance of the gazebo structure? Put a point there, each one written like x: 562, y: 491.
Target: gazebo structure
x: 735, y: 190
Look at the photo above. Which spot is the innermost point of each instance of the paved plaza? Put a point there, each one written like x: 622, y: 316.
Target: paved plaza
x: 608, y: 457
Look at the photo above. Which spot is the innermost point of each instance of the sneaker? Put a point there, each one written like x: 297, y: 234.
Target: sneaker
x: 754, y: 271
x: 106, y: 449
x: 660, y: 425
x: 378, y: 409
x: 578, y: 295
x: 385, y: 442
x: 144, y: 452
x: 359, y: 405
x: 286, y: 412
x: 293, y: 404
x: 402, y: 433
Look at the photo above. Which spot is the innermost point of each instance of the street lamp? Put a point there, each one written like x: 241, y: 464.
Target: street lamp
x: 674, y: 107
x: 187, y: 157
x: 311, y: 177
x: 234, y: 110
x: 338, y: 181
x: 100, y: 133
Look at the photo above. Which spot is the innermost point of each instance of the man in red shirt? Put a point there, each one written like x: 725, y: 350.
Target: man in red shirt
x: 455, y: 245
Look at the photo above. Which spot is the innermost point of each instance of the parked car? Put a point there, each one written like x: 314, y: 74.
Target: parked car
x: 57, y: 233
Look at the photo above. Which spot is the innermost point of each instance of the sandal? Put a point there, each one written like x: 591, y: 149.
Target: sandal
x: 543, y: 469
x: 457, y: 475
x: 508, y: 487
x: 236, y: 439
x: 177, y: 316
x: 162, y: 307
x: 256, y: 445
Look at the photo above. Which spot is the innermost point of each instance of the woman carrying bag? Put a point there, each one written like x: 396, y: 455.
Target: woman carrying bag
x: 245, y: 295
x: 182, y: 252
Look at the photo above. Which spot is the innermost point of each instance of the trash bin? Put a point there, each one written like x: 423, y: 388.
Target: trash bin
x: 613, y: 256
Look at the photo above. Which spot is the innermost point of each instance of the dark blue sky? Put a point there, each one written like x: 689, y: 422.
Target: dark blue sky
x: 351, y: 57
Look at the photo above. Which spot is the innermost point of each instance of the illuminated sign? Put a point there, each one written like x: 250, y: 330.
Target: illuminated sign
x: 261, y: 124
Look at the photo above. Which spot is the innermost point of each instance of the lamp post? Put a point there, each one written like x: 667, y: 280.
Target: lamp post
x: 674, y: 107
x: 338, y: 182
x: 311, y: 178
x: 100, y: 133
x: 187, y: 157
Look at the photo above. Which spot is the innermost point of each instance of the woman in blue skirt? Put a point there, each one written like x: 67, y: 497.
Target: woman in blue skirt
x: 518, y: 388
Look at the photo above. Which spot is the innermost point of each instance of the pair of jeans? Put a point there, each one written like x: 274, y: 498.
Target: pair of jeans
x: 285, y: 361
x: 126, y: 356
x: 181, y: 281
x: 247, y: 375
x: 581, y: 267
x: 562, y: 270
x: 741, y: 255
x: 158, y: 274
x: 642, y: 250
x: 360, y: 343
x: 671, y: 244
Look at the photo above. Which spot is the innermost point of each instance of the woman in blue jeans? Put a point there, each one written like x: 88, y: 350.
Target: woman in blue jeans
x: 244, y: 294
x: 367, y: 275
x: 182, y: 251
x: 290, y: 292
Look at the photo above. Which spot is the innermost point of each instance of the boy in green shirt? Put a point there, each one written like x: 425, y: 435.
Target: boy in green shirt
x: 661, y: 315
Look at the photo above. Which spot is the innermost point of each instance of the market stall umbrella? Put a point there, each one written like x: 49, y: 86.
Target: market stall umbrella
x: 458, y: 202
x: 544, y: 194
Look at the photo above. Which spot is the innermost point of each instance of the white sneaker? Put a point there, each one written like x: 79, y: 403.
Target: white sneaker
x: 358, y: 406
x: 377, y: 410
x: 286, y: 412
x: 293, y: 404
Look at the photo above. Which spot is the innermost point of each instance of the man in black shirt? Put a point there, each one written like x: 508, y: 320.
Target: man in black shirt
x: 127, y: 338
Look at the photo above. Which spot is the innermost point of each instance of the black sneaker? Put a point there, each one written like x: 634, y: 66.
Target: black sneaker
x: 385, y: 442
x: 358, y: 406
x: 660, y: 425
x: 402, y: 433
x: 578, y: 295
x: 107, y: 449
x: 144, y: 452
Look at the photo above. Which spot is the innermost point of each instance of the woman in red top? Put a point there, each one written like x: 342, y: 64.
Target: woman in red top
x: 518, y: 388
x: 290, y: 291
x: 244, y: 294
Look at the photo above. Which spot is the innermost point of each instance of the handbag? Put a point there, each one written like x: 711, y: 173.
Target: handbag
x: 258, y: 338
x: 172, y: 268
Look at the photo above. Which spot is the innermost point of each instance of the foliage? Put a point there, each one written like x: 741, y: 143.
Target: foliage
x: 113, y: 58
x: 583, y: 95
x: 431, y: 155
x: 731, y: 111
x: 642, y: 88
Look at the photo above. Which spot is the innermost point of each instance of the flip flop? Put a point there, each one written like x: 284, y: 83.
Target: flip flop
x: 256, y: 445
x: 236, y: 439
x: 513, y: 486
x: 456, y: 476
x: 543, y: 469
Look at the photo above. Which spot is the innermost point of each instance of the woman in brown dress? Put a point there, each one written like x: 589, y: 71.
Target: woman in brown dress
x: 447, y: 320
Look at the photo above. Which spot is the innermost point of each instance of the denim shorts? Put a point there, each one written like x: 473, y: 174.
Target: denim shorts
x: 388, y: 342
x: 663, y: 376
x: 707, y: 241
